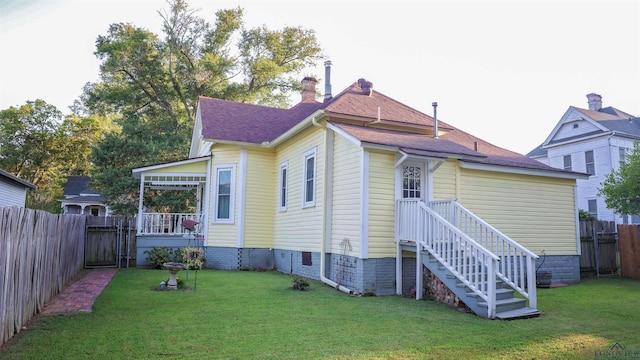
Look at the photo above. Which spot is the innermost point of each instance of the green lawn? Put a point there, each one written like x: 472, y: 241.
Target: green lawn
x: 256, y: 315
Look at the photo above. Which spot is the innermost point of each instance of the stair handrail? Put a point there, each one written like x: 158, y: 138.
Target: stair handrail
x: 517, y: 268
x: 447, y: 244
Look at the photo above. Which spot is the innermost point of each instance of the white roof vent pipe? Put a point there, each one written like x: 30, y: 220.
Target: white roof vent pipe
x: 327, y: 80
x: 435, y: 119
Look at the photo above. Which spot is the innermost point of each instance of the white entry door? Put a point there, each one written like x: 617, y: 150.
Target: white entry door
x: 413, y: 181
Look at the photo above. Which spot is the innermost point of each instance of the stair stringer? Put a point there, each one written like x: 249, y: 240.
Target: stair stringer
x: 507, y: 306
x: 452, y: 282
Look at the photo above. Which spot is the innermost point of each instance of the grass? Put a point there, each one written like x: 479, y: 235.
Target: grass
x: 256, y: 315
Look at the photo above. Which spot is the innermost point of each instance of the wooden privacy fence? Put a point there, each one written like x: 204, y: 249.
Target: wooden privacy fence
x: 598, y: 248
x: 629, y: 251
x: 39, y: 253
x: 110, y: 242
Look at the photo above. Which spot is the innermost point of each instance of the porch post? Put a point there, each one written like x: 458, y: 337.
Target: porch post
x: 398, y: 268
x: 139, y: 220
x: 419, y: 284
x: 531, y: 282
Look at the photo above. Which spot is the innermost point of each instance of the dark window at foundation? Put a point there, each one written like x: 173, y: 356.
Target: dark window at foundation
x: 306, y: 258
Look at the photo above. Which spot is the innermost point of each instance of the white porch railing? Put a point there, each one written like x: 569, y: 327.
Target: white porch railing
x: 465, y: 258
x: 517, y: 267
x: 166, y: 223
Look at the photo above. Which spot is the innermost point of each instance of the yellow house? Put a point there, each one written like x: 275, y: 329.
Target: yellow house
x: 367, y: 195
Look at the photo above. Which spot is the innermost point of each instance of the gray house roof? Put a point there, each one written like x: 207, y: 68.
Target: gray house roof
x: 17, y: 180
x: 77, y: 188
x: 610, y: 118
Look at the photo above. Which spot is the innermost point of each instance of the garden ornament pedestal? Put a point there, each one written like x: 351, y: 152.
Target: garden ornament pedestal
x: 173, y: 268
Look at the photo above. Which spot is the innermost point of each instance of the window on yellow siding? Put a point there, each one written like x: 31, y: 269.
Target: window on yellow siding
x: 224, y: 193
x: 309, y: 186
x: 284, y: 178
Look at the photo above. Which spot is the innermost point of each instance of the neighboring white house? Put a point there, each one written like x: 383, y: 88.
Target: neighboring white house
x: 13, y: 190
x: 80, y: 199
x: 593, y: 141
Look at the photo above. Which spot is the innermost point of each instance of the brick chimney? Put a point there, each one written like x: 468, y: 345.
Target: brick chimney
x: 365, y: 86
x: 309, y: 89
x: 595, y: 101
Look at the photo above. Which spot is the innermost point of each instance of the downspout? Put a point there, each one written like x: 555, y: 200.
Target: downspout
x: 326, y: 218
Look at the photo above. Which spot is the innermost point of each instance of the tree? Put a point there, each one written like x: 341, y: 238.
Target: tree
x: 621, y: 188
x: 153, y: 83
x: 38, y: 145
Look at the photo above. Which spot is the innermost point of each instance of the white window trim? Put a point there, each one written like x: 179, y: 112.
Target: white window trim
x: 216, y: 171
x: 307, y: 155
x: 284, y: 166
x: 593, y: 162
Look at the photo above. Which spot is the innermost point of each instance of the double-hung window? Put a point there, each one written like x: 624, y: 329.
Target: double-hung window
x: 567, y: 162
x: 309, y: 186
x: 589, y: 162
x: 224, y: 193
x: 622, y: 152
x: 593, y: 208
x: 282, y: 190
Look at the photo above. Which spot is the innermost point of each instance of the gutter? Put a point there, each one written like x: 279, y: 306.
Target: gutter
x: 326, y: 224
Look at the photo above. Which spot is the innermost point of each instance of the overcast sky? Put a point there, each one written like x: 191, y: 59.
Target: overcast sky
x: 505, y: 71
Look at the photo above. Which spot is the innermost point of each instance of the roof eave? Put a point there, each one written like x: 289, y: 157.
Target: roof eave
x: 305, y: 123
x: 594, y: 136
x: 523, y: 171
x: 137, y: 172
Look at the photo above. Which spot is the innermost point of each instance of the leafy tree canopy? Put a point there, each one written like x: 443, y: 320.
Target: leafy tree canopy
x: 621, y: 188
x: 41, y: 146
x: 153, y: 82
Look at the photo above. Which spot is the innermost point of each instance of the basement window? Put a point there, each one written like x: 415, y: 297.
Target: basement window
x: 306, y: 258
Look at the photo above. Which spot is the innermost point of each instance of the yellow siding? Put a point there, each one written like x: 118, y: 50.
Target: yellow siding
x: 298, y: 228
x: 444, y: 184
x: 260, y: 200
x: 345, y: 220
x: 381, y: 205
x: 537, y: 212
x: 223, y: 234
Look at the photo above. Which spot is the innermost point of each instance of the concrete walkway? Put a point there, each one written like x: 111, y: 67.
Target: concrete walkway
x: 80, y: 296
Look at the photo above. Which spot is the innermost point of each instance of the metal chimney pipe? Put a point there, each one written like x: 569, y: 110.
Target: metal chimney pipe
x: 435, y: 119
x: 327, y: 80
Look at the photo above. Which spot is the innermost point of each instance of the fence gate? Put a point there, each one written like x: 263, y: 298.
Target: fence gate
x: 629, y: 251
x: 109, y: 242
x: 599, y: 248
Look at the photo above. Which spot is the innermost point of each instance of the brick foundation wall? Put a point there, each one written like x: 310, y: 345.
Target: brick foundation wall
x: 435, y: 290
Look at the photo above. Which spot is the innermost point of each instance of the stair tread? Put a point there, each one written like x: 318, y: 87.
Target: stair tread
x: 505, y: 301
x: 498, y: 291
x: 518, y: 313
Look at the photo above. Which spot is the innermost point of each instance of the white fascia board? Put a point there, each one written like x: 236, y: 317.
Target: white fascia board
x: 566, y: 118
x: 522, y: 171
x: 308, y: 121
x: 575, y: 140
x: 344, y: 134
x: 138, y: 171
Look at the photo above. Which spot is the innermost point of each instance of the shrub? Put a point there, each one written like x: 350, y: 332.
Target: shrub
x: 584, y: 215
x: 300, y: 283
x: 158, y: 255
x: 192, y: 257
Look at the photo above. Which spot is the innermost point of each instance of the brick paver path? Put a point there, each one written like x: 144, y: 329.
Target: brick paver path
x: 80, y: 296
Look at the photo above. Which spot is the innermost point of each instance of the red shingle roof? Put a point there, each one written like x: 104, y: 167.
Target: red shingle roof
x: 353, y: 102
x: 246, y: 123
x: 224, y: 120
x: 406, y: 140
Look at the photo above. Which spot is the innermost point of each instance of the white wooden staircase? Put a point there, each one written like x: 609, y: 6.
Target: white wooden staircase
x: 481, y: 266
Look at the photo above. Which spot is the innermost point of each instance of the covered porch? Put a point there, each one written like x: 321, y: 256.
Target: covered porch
x: 157, y: 218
